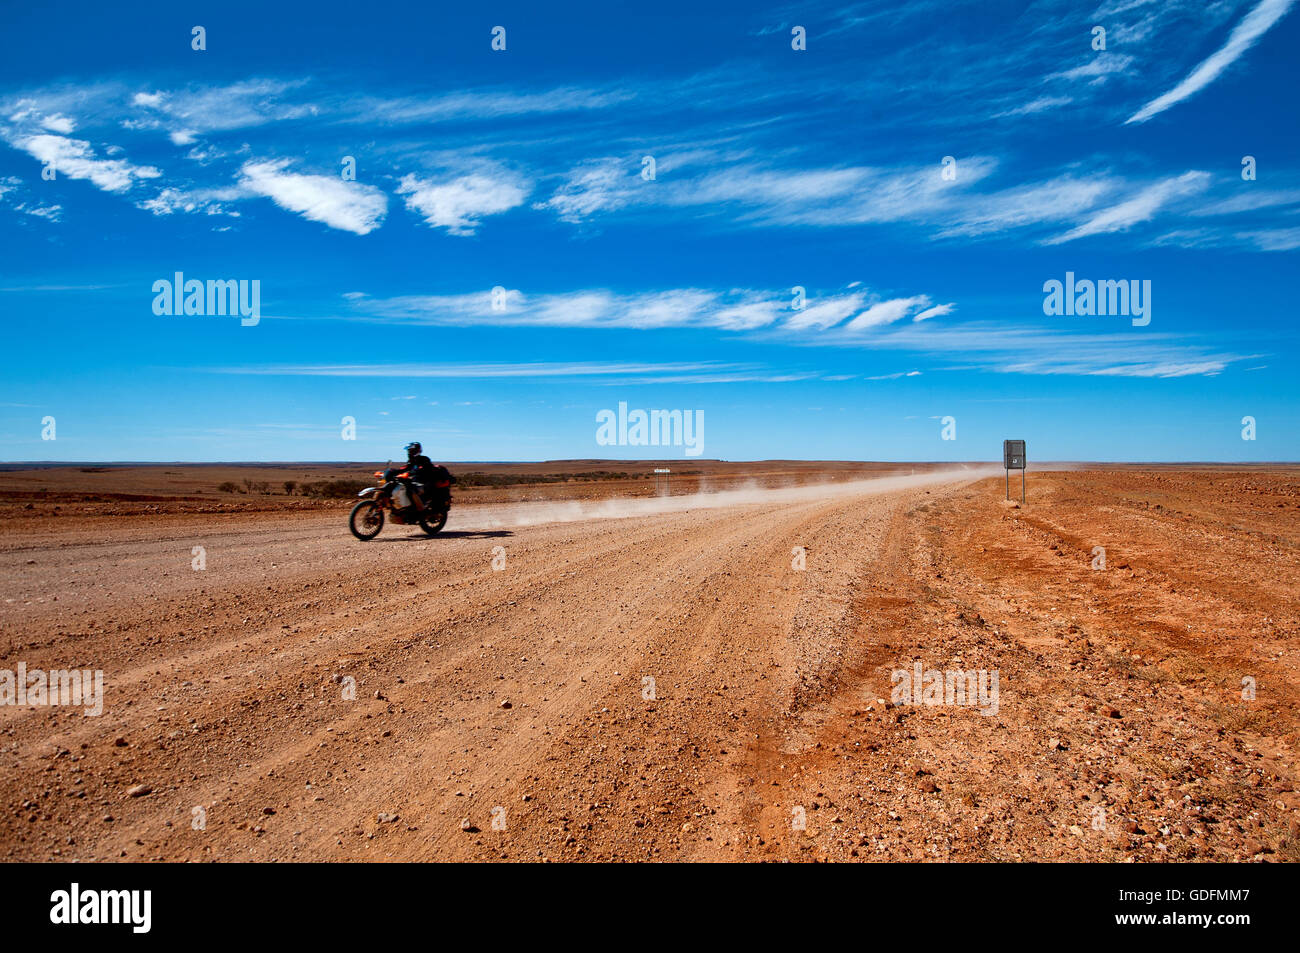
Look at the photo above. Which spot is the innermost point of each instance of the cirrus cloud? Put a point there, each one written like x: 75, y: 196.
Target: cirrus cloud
x: 1254, y: 25
x: 76, y: 159
x: 348, y: 206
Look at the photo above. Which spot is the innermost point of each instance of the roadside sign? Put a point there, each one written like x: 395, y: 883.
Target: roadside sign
x: 1013, y: 458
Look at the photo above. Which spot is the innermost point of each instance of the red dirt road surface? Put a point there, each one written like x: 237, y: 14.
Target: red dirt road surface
x: 669, y: 680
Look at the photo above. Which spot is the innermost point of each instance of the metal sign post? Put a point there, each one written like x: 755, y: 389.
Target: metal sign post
x: 662, y: 473
x: 1013, y: 458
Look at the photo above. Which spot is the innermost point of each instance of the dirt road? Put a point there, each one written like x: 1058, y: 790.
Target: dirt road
x: 684, y: 685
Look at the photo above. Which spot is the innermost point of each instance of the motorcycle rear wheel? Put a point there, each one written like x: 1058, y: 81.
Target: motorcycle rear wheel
x: 433, y: 525
x: 366, y: 520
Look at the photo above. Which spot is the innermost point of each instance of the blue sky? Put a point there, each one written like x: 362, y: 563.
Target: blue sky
x: 774, y: 168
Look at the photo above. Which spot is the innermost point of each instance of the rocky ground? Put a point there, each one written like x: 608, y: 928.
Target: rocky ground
x: 705, y: 683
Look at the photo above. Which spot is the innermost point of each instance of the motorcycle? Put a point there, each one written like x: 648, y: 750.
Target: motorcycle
x: 395, y: 495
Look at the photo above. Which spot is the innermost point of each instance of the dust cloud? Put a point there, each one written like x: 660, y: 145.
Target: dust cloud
x: 571, y: 511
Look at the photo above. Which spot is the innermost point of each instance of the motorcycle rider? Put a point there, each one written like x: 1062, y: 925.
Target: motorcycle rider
x: 417, y: 464
x: 419, y: 468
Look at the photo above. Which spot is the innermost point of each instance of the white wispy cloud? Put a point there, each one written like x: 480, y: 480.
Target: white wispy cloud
x: 1059, y: 200
x: 13, y: 186
x: 51, y: 213
x: 1280, y: 239
x: 937, y: 311
x: 1251, y: 200
x: 189, y: 112
x: 887, y: 312
x: 893, y: 377
x: 736, y: 310
x: 1098, y: 68
x: 59, y: 123
x: 75, y: 159
x: 733, y: 150
x: 1273, y: 239
x: 579, y: 309
x: 754, y: 194
x: 215, y: 201
x: 1041, y: 104
x: 1189, y: 238
x: 748, y: 195
x: 459, y: 203
x: 1243, y: 36
x: 598, y: 185
x: 349, y: 206
x: 979, y: 345
x: 1037, y: 350
x: 477, y: 104
x: 837, y: 196
x: 197, y: 110
x: 826, y: 311
x: 1139, y: 208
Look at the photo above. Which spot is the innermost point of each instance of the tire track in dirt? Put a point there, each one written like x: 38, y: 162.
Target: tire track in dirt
x: 241, y: 717
x: 223, y: 685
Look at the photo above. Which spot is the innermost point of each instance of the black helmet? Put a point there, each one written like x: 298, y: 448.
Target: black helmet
x: 412, y: 448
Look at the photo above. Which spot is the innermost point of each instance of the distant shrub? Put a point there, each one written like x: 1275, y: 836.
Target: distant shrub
x: 334, y: 489
x: 228, y: 487
x: 290, y: 486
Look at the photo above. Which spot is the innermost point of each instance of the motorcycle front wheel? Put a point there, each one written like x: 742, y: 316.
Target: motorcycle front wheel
x: 367, y: 520
x: 433, y: 524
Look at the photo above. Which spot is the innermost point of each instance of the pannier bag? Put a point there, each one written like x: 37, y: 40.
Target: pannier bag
x: 401, y: 497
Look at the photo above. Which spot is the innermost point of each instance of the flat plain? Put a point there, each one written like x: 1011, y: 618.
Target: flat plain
x: 581, y: 669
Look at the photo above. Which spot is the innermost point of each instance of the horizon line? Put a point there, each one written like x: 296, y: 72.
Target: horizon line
x: 645, y: 460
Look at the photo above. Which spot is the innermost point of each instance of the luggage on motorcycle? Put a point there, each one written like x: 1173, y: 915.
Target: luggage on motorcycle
x: 401, y: 497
